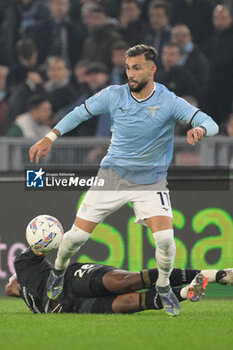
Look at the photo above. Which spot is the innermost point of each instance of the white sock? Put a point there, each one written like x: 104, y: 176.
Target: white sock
x: 211, y: 274
x: 184, y: 292
x: 165, y: 255
x: 71, y: 243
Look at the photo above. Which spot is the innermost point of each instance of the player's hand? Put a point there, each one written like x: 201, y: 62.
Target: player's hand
x: 38, y: 253
x: 40, y: 149
x: 196, y: 134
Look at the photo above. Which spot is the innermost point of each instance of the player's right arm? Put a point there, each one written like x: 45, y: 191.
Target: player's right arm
x: 95, y: 105
x: 42, y: 147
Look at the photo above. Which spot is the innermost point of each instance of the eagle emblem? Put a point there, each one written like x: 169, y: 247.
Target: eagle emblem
x: 153, y: 111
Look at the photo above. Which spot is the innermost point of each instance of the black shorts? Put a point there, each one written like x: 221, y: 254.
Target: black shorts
x: 86, y: 281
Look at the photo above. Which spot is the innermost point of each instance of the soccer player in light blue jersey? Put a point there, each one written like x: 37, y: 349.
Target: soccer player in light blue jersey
x: 143, y: 117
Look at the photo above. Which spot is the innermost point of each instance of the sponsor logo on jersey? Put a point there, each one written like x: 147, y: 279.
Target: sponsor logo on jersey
x: 122, y: 109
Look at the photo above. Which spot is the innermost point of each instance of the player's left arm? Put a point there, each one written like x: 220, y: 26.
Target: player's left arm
x: 203, y: 125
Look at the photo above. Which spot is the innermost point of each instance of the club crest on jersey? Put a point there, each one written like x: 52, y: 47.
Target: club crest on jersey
x: 153, y: 111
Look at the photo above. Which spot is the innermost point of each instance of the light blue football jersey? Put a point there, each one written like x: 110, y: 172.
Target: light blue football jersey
x: 141, y: 146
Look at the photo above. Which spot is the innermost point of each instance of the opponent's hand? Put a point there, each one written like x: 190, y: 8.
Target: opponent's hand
x: 196, y: 134
x: 40, y: 149
x: 38, y: 253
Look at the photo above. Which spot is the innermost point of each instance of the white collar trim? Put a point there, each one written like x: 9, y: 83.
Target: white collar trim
x: 146, y: 98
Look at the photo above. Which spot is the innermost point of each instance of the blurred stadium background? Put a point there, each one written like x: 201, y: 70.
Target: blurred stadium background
x: 55, y: 54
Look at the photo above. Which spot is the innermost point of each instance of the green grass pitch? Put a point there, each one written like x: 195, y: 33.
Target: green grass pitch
x: 203, y: 325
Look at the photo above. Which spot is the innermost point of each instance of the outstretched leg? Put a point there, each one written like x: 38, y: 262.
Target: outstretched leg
x: 151, y: 299
x: 122, y: 281
x: 71, y: 243
x: 125, y: 303
x: 162, y: 230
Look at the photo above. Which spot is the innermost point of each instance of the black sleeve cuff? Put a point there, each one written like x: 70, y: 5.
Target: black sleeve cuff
x: 194, y: 116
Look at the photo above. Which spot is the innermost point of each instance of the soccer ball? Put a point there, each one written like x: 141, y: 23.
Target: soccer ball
x: 44, y: 233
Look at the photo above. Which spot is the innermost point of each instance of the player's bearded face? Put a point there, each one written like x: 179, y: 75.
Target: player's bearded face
x: 138, y: 71
x: 137, y: 86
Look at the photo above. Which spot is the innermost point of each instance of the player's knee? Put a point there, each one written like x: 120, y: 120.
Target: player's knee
x: 124, y: 303
x: 128, y: 282
x: 124, y: 283
x: 164, y: 239
x: 76, y: 236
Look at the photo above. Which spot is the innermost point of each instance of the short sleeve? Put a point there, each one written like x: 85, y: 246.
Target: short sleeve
x: 98, y: 103
x: 181, y: 109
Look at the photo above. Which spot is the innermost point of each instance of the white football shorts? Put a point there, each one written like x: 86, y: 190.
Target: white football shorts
x: 147, y: 200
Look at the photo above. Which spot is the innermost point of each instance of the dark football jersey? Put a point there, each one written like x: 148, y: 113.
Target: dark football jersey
x: 32, y: 273
x: 81, y: 281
